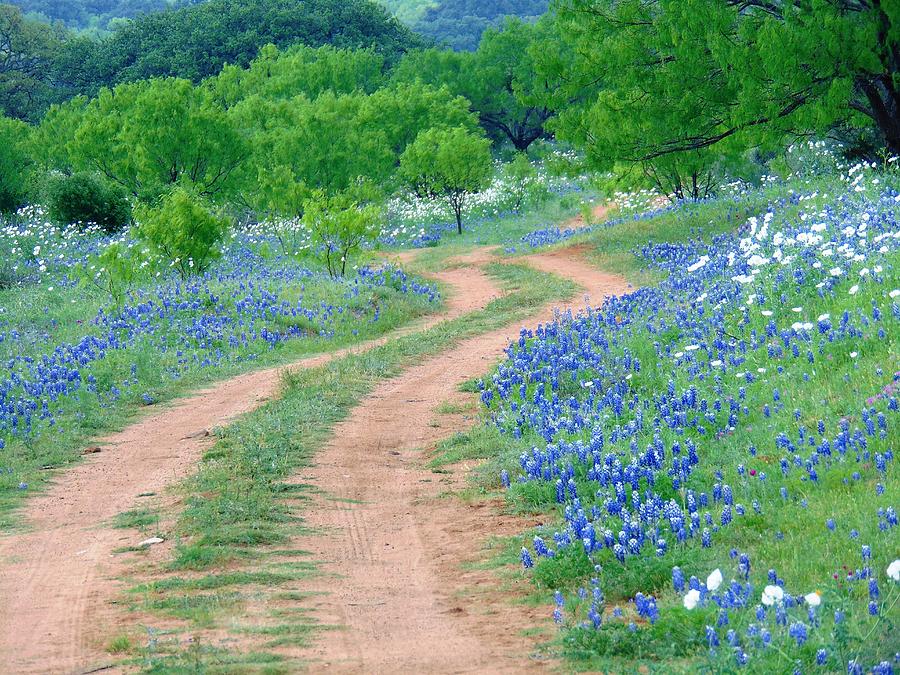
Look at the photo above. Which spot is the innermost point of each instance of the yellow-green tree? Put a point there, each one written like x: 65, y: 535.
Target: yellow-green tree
x: 447, y: 165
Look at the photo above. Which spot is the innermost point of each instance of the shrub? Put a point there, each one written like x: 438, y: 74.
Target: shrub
x: 84, y: 199
x: 15, y: 164
x: 340, y: 224
x: 183, y: 230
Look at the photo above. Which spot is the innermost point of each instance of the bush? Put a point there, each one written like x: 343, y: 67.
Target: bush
x: 84, y: 199
x: 15, y: 164
x: 183, y: 230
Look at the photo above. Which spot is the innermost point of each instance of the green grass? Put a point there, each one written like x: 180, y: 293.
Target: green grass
x: 137, y: 519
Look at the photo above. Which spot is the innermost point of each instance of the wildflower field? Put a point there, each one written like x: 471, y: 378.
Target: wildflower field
x: 75, y: 362
x: 715, y: 453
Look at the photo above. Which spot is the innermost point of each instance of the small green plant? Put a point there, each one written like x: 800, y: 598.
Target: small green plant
x: 87, y: 199
x: 120, y: 644
x: 114, y: 271
x: 340, y: 224
x: 587, y: 213
x: 523, y: 184
x: 183, y: 230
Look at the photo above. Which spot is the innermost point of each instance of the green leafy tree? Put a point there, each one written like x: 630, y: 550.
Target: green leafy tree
x: 321, y: 144
x: 523, y: 180
x: 340, y: 224
x: 51, y: 138
x: 677, y: 87
x: 195, y: 40
x: 281, y: 200
x: 499, y: 80
x: 276, y: 74
x: 149, y: 135
x: 460, y: 23
x: 447, y: 165
x: 15, y: 164
x: 183, y: 230
x: 27, y: 52
x: 401, y: 111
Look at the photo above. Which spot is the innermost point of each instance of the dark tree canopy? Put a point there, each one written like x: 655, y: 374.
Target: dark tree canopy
x: 194, y: 42
x: 90, y: 13
x: 28, y: 50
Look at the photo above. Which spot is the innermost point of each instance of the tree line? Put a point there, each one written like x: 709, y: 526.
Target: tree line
x: 676, y: 94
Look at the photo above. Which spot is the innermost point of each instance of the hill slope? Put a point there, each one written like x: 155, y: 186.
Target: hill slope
x: 460, y: 23
x: 194, y: 42
x: 90, y: 13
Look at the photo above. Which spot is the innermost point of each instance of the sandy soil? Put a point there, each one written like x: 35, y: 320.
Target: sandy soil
x: 398, y: 552
x: 397, y: 542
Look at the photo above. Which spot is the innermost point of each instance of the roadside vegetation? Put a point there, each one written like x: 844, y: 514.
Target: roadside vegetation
x: 223, y: 186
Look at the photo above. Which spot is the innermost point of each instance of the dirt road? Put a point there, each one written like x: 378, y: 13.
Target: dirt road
x: 395, y: 543
x: 396, y: 551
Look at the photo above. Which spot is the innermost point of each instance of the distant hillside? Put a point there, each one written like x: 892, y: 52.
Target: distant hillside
x: 408, y: 11
x: 194, y: 42
x: 95, y: 14
x: 460, y: 23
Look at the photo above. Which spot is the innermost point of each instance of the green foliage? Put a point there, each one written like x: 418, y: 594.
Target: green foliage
x: 279, y: 75
x: 27, y: 52
x: 149, y: 135
x: 460, y: 23
x: 340, y: 224
x: 86, y: 198
x: 499, y: 80
x: 183, y: 230
x: 15, y: 164
x: 447, y: 164
x: 114, y: 271
x: 680, y: 91
x: 90, y: 13
x: 523, y: 181
x: 195, y: 41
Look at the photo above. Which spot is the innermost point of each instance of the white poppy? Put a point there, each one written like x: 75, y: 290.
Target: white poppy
x: 813, y: 599
x: 893, y: 570
x: 771, y: 595
x: 714, y: 580
x: 692, y: 599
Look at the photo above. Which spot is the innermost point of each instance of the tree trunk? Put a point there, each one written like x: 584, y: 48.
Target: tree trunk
x: 458, y: 211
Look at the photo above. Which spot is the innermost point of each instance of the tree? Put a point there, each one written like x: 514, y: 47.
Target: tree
x: 183, y: 230
x: 523, y: 182
x: 447, y: 164
x: 15, y: 164
x: 460, y: 23
x: 678, y: 86
x: 196, y: 40
x: 499, y: 79
x: 276, y: 74
x: 27, y: 51
x: 340, y: 224
x: 401, y: 111
x: 147, y: 136
x: 322, y: 144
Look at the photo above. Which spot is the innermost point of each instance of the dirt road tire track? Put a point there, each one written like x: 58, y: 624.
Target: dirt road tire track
x: 395, y: 543
x: 58, y: 578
